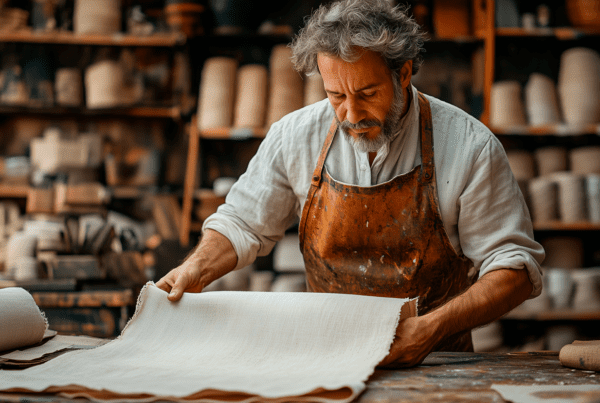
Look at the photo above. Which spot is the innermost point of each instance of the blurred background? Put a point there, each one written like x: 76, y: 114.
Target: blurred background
x: 124, y: 123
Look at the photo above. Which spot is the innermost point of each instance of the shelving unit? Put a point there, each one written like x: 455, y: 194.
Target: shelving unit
x: 158, y: 112
x: 70, y: 38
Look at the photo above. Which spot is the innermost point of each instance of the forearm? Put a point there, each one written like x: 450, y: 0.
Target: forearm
x: 492, y: 296
x: 214, y: 253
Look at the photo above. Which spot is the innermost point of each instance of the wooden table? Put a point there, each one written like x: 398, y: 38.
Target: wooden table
x: 444, y: 377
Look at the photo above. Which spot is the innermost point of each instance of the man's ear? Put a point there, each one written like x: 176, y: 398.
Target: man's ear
x: 406, y: 73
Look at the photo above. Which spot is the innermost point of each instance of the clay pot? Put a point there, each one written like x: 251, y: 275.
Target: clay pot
x: 550, y: 160
x: 217, y: 93
x: 104, y: 84
x: 68, y: 87
x: 314, y: 89
x: 571, y: 196
x: 506, y: 105
x: 251, y: 100
x: 583, y: 13
x: 579, y: 86
x: 541, y: 100
x: 97, y: 17
x: 585, y: 160
x: 543, y: 199
x: 522, y: 164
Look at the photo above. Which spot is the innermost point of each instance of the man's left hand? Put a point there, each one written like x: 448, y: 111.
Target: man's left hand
x: 415, y: 339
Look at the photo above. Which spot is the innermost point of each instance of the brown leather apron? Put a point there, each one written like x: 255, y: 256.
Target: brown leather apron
x: 386, y: 240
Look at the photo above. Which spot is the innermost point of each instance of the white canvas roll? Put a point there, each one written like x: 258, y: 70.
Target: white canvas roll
x: 314, y: 89
x: 251, y: 98
x: 230, y: 346
x: 217, y: 93
x: 286, y: 93
x: 541, y: 100
x: 579, y: 86
x: 97, y: 17
x: 506, y: 105
x: 21, y: 322
x: 544, y: 199
x: 104, y: 84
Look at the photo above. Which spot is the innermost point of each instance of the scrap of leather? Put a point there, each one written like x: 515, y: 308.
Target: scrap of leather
x: 386, y: 240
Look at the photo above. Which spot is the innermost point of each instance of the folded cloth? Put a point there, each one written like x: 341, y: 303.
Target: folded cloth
x: 581, y: 355
x: 229, y: 346
x: 21, y: 322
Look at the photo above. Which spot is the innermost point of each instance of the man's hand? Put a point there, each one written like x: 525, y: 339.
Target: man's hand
x: 415, y: 339
x: 212, y: 259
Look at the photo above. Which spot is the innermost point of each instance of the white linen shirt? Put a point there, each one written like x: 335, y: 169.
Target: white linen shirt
x: 482, y: 208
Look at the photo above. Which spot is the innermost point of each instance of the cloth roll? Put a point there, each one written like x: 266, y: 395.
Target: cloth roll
x: 217, y: 93
x: 286, y: 87
x: 579, y: 86
x: 104, y: 84
x: 251, y: 100
x: 543, y: 199
x: 581, y: 355
x: 314, y: 89
x: 21, y: 322
x: 506, y: 105
x: 97, y: 17
x: 571, y: 196
x: 541, y: 100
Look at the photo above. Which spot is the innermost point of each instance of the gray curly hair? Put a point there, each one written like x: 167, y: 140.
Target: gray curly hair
x: 339, y: 28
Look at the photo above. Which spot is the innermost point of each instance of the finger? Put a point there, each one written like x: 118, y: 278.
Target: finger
x: 163, y: 285
x: 180, y: 286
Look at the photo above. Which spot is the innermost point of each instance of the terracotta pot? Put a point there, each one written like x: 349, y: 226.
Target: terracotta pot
x: 583, y: 13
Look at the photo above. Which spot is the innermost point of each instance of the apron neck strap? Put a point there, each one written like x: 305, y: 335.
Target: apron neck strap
x: 426, y: 129
x: 317, y: 175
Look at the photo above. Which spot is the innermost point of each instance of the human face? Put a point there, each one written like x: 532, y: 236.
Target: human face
x: 368, y: 102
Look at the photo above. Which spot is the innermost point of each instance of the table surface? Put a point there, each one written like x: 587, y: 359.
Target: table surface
x: 443, y: 377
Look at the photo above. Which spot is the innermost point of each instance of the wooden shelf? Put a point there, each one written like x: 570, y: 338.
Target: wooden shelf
x: 561, y: 33
x: 458, y: 39
x: 230, y: 133
x: 552, y: 315
x: 562, y: 226
x: 13, y: 191
x: 138, y: 111
x: 548, y: 130
x: 69, y: 38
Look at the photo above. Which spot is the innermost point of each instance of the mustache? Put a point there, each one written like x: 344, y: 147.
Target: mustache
x: 363, y: 124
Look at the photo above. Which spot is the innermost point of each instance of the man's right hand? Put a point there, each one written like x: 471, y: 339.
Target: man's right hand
x: 212, y: 259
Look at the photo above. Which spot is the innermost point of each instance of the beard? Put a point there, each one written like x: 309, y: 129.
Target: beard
x: 388, y: 127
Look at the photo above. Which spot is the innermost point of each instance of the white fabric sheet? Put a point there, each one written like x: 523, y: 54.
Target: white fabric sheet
x: 21, y: 322
x: 234, y: 346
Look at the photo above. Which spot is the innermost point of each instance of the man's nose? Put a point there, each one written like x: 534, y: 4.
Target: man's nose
x: 354, y: 111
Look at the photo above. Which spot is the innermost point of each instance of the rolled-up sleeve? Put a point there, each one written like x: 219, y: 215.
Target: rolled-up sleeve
x: 494, y: 225
x: 260, y: 206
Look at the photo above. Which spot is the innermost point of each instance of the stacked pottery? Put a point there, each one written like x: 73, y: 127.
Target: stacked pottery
x: 68, y: 87
x: 579, y: 86
x: 543, y: 199
x: 314, y: 89
x: 97, y: 17
x: 104, y: 84
x: 571, y: 196
x: 585, y: 160
x: 541, y: 101
x: 251, y: 101
x: 592, y: 188
x: 550, y: 160
x: 286, y: 86
x: 506, y: 107
x: 217, y: 93
x: 522, y: 164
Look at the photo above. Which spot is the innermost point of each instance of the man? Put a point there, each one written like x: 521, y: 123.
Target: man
x: 380, y: 213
